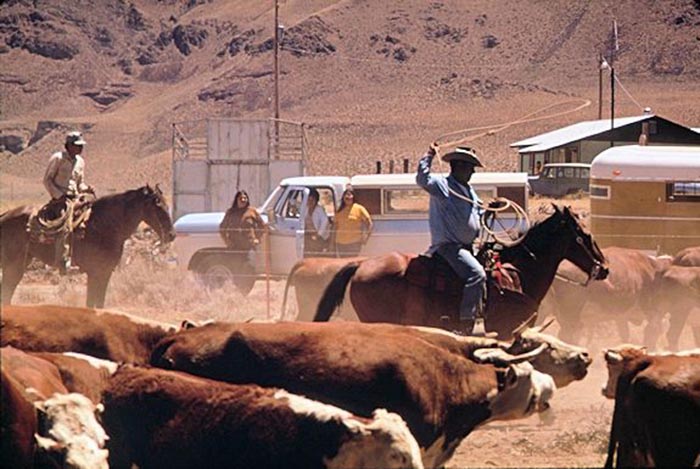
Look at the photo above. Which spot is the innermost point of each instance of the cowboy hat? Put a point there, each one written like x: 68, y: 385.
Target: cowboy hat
x: 463, y: 154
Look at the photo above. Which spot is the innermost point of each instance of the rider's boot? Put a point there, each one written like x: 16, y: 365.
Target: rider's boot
x: 479, y: 329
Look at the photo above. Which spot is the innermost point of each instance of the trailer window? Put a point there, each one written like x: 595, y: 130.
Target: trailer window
x: 403, y: 201
x: 599, y: 192
x: 688, y: 191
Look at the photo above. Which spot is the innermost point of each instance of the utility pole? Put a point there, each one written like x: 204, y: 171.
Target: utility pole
x: 600, y: 86
x: 612, y: 83
x: 277, y: 80
x: 277, y: 65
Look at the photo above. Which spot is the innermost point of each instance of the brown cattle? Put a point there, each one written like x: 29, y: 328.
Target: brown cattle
x: 310, y: 277
x: 564, y: 362
x: 361, y: 367
x: 81, y: 373
x: 656, y: 422
x: 678, y: 293
x: 688, y: 257
x: 626, y: 295
x: 101, y: 334
x: 42, y: 424
x: 158, y: 419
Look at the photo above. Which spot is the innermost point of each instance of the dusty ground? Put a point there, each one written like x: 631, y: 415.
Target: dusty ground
x: 574, y: 434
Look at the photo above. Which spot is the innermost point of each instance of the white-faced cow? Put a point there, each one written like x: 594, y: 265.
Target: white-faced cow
x: 101, y: 334
x: 42, y: 424
x: 158, y: 418
x: 360, y: 367
x: 564, y: 362
x: 656, y: 422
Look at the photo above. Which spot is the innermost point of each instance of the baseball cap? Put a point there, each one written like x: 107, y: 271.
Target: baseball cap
x: 75, y: 138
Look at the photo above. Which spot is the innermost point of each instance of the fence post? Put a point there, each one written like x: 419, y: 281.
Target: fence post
x: 405, y: 165
x: 379, y: 167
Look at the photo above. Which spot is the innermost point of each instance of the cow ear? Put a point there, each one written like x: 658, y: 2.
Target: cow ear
x: 556, y: 208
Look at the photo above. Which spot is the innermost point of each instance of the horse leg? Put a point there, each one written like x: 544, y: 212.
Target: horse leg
x: 677, y: 319
x: 12, y: 273
x: 97, y: 288
x: 652, y: 331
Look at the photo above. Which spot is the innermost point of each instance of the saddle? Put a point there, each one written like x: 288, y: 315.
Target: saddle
x: 57, y: 217
x: 435, y: 274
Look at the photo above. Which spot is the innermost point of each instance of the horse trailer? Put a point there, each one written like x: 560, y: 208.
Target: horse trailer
x: 646, y: 197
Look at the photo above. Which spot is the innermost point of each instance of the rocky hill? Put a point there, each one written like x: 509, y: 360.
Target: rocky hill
x: 373, y: 80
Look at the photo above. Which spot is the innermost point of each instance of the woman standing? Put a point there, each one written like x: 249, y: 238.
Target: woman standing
x: 352, y: 226
x: 242, y: 226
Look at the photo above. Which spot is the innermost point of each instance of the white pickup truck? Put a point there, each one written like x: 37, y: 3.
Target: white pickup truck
x: 398, y: 206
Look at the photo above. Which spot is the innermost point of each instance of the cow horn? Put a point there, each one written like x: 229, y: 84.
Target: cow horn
x: 500, y: 357
x: 546, y: 324
x: 525, y: 324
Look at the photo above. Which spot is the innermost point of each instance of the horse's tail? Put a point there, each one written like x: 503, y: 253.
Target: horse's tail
x: 335, y: 293
x: 289, y: 283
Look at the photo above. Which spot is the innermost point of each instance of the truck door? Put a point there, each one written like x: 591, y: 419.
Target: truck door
x: 287, y: 230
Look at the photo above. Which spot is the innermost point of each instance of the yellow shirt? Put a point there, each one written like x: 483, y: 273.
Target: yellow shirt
x: 348, y: 224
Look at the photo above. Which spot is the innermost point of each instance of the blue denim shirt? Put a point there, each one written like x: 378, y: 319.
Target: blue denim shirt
x: 452, y: 219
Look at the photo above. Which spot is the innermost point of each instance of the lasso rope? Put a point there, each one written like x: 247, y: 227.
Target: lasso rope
x: 521, y: 225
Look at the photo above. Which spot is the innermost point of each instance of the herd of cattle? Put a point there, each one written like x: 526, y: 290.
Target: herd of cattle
x: 85, y: 388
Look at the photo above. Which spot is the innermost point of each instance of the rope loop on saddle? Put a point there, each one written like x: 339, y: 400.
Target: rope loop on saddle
x: 75, y: 215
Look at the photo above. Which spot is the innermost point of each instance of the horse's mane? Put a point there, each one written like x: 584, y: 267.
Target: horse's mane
x: 118, y: 197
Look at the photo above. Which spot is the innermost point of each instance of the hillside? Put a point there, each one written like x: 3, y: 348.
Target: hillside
x: 373, y: 80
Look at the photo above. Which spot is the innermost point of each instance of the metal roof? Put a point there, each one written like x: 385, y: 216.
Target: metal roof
x: 573, y: 133
x: 647, y: 163
x: 409, y: 179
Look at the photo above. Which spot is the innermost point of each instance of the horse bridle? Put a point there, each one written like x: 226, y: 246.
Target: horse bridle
x: 161, y: 231
x: 595, y: 270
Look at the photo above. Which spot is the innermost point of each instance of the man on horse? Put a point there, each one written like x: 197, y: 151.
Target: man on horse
x: 64, y: 182
x: 455, y: 221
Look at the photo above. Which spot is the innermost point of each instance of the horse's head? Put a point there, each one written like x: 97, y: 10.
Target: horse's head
x: 155, y: 213
x: 582, y: 250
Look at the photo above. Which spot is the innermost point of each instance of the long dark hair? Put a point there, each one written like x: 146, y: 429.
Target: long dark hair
x: 342, y: 199
x: 240, y: 193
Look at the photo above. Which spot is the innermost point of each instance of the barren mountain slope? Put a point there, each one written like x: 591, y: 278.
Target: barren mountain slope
x: 374, y: 80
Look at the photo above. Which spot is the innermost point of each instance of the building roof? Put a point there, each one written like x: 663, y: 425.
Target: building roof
x: 573, y: 133
x: 695, y: 129
x: 482, y: 178
x: 648, y: 163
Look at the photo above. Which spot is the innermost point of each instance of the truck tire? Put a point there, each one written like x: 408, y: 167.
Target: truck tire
x: 215, y: 271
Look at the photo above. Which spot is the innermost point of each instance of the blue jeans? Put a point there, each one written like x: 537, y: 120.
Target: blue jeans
x: 472, y: 274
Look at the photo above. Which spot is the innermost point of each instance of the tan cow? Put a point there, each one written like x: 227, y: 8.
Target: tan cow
x: 626, y: 295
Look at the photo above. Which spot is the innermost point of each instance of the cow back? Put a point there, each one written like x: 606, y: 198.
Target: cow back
x: 50, y: 328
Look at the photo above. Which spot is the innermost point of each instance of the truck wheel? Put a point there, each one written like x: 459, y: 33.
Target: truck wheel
x: 213, y: 273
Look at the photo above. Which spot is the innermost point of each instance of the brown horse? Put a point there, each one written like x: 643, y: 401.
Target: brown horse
x: 114, y: 218
x: 380, y: 291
